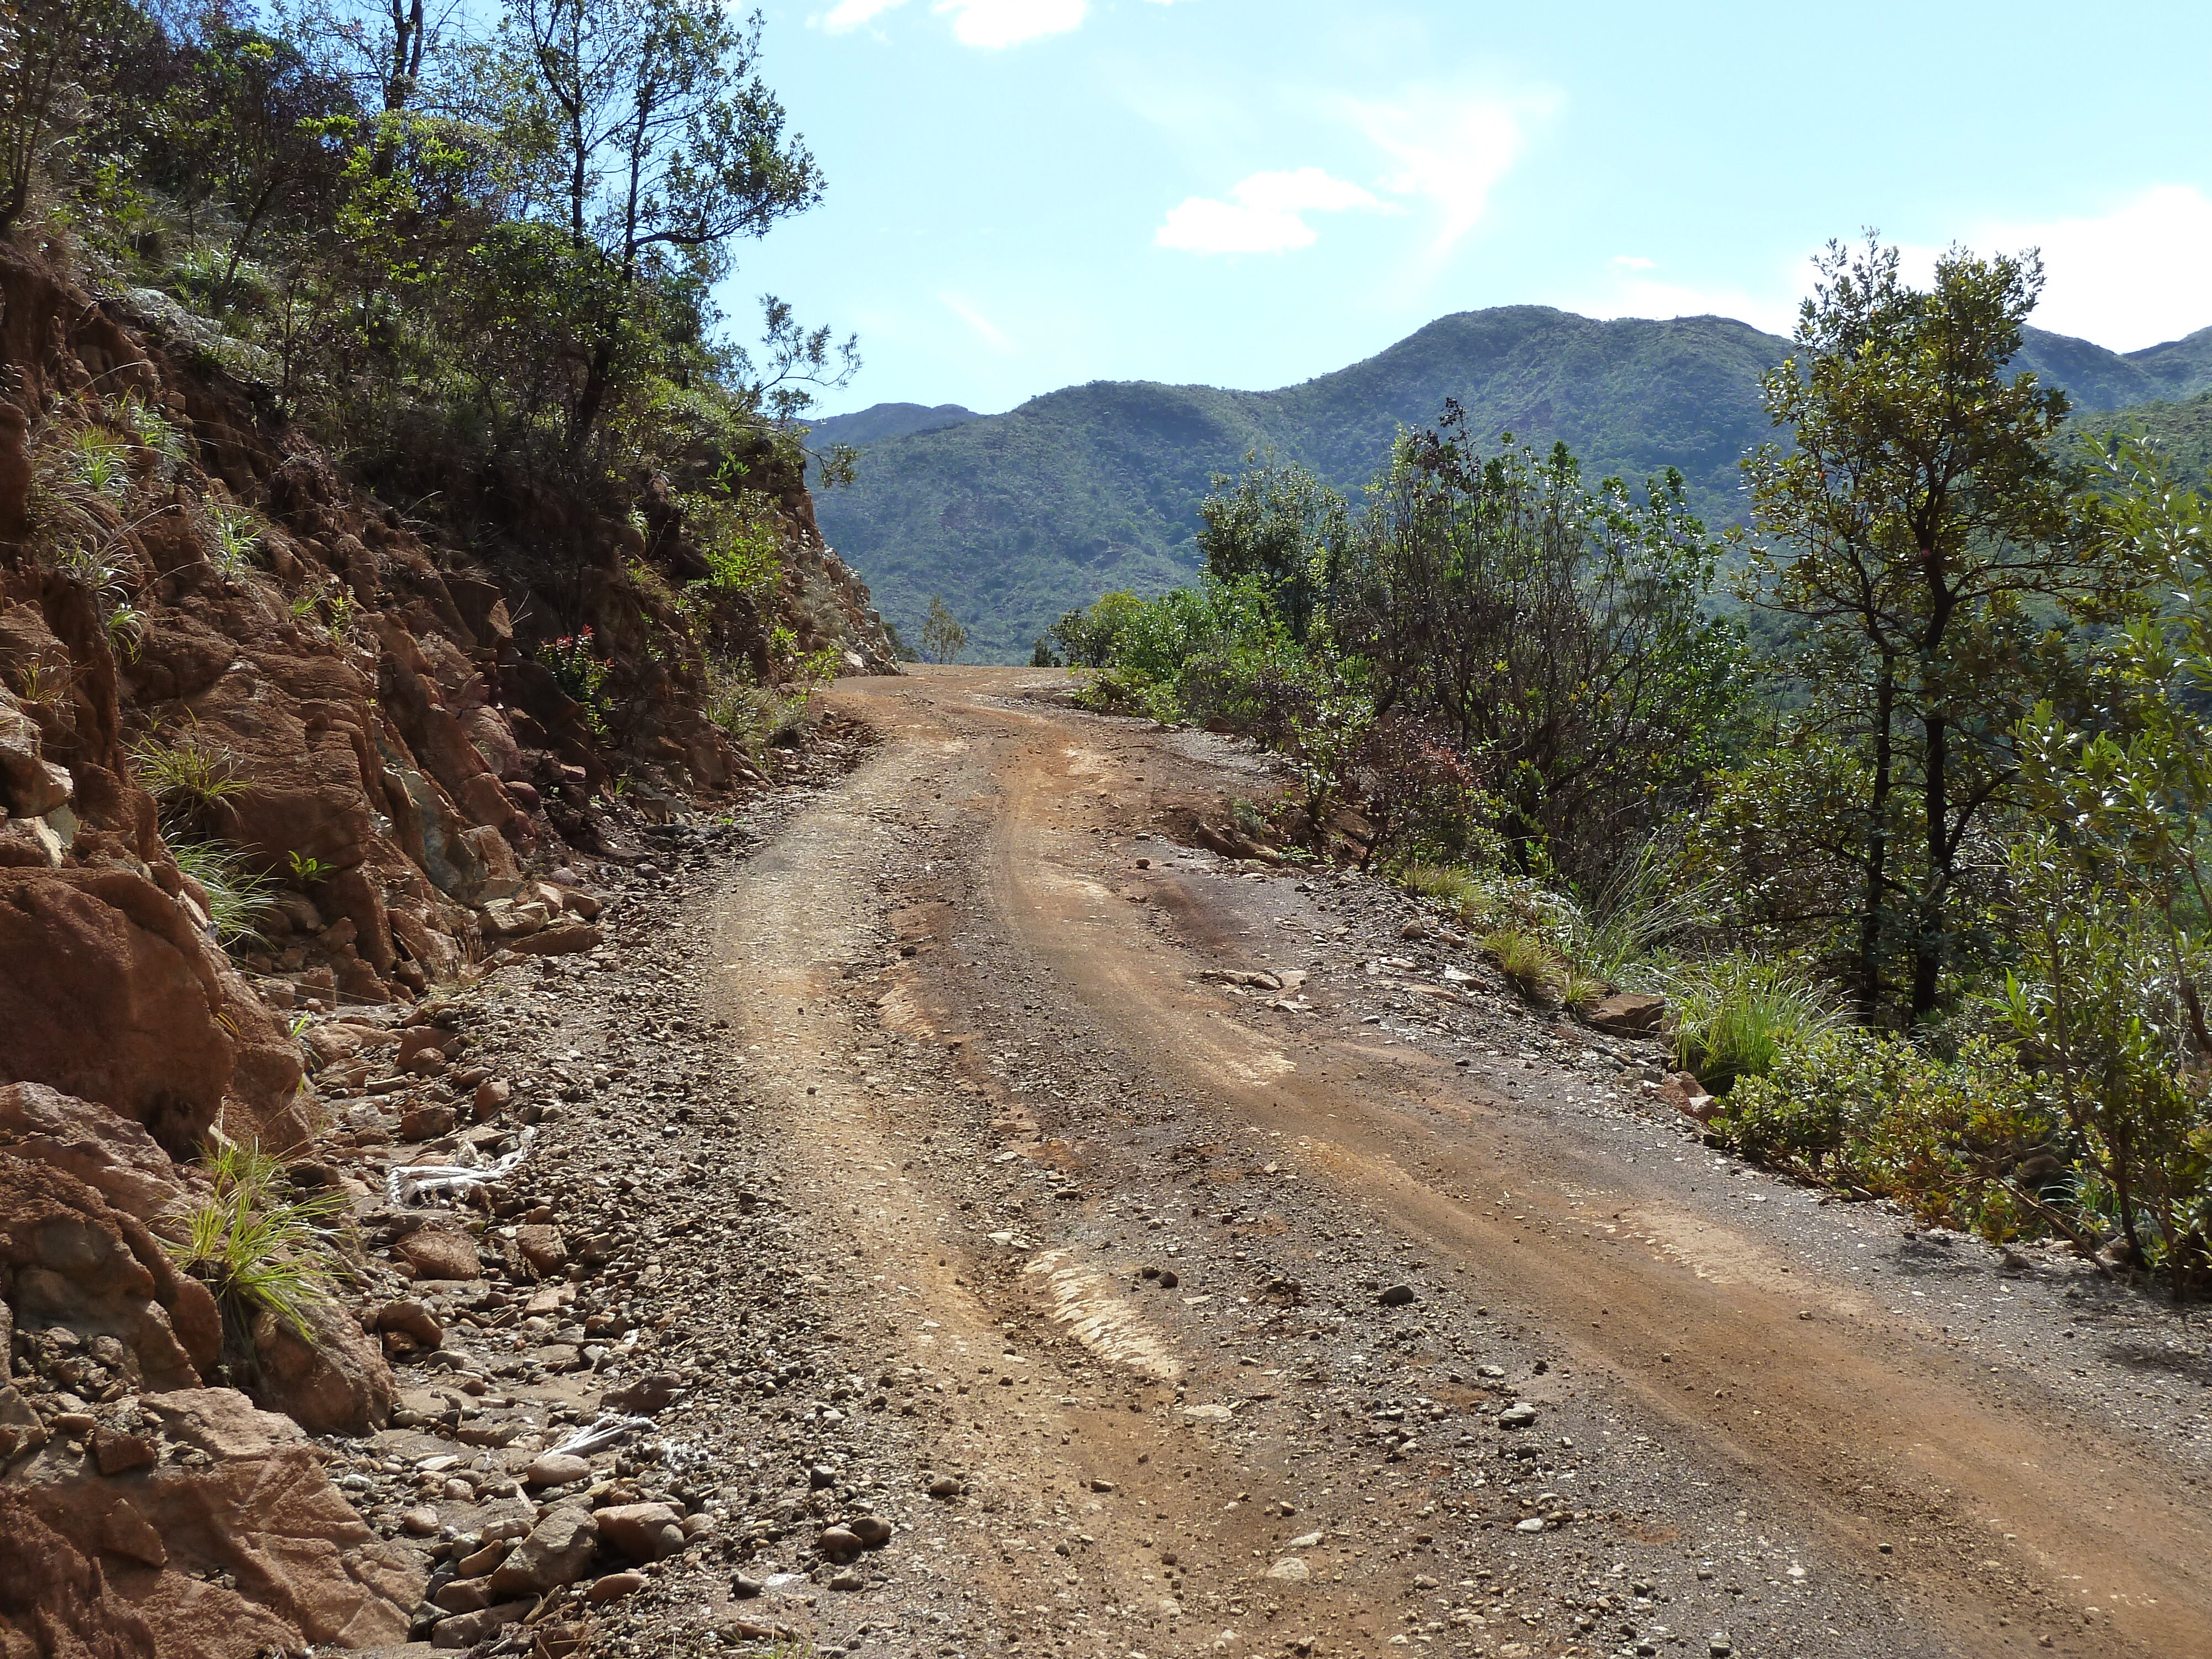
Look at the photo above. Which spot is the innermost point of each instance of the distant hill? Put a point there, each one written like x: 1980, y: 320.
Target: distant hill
x: 1017, y: 517
x: 881, y: 421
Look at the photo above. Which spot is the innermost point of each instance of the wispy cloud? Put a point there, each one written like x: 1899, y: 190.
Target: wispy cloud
x: 989, y: 24
x: 1266, y: 216
x: 1449, y: 148
x: 986, y: 331
x: 995, y: 23
x: 849, y: 14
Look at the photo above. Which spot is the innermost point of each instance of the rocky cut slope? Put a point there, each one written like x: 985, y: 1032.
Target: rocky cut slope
x: 267, y: 753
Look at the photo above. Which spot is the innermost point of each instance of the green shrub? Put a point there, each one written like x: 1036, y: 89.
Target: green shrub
x: 581, y: 674
x: 1736, y: 1015
x: 1962, y: 1142
x: 754, y: 717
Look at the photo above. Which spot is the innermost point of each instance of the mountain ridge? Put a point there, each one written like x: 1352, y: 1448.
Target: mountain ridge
x: 1016, y: 518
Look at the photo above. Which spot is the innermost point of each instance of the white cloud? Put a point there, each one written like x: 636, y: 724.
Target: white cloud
x: 987, y: 331
x: 988, y: 23
x: 848, y: 15
x: 2128, y: 278
x: 995, y: 23
x: 1627, y: 291
x: 1449, y: 147
x: 1266, y: 216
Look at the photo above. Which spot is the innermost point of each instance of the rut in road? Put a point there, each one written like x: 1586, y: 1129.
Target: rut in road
x: 1125, y: 1234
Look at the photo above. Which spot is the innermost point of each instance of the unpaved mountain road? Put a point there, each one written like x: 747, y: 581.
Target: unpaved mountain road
x: 1099, y: 1246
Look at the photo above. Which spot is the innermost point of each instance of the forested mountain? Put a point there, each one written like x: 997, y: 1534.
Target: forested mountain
x: 882, y: 421
x: 1017, y: 517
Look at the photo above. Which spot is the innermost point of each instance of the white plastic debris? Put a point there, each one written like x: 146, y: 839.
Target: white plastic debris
x: 608, y: 1429
x: 405, y: 1184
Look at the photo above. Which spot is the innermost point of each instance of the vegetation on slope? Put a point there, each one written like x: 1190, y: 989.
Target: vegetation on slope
x: 1016, y: 517
x: 1928, y: 881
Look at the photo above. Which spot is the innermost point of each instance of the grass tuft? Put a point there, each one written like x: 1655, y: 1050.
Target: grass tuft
x: 237, y: 894
x: 1736, y: 1015
x: 1529, y: 963
x: 188, y: 775
x: 257, y: 1251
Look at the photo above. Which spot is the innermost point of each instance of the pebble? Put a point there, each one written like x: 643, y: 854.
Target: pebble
x: 614, y: 1586
x: 419, y: 1521
x: 1291, y: 1569
x: 847, y: 1580
x: 1396, y: 1296
x: 556, y: 1469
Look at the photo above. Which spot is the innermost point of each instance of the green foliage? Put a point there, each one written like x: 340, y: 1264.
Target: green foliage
x: 1528, y: 962
x: 943, y: 638
x: 256, y: 1250
x: 1280, y: 525
x: 2100, y: 1008
x: 237, y: 894
x: 189, y: 777
x: 1922, y: 547
x: 1963, y: 1141
x: 581, y: 673
x: 1556, y: 637
x: 755, y: 717
x: 1735, y: 1015
x: 306, y: 870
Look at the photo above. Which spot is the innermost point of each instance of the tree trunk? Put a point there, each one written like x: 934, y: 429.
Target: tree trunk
x: 588, y: 402
x: 1877, y: 852
x: 1928, y: 921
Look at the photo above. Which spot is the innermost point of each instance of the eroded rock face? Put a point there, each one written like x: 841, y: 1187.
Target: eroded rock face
x: 123, y: 1007
x: 332, y: 1381
x: 74, y: 1261
x: 120, y: 1565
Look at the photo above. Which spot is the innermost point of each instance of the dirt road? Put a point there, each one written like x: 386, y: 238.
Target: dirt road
x: 1365, y: 1311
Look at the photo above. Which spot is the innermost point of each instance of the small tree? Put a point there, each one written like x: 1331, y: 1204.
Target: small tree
x: 943, y: 638
x: 1276, y: 522
x: 1920, y: 543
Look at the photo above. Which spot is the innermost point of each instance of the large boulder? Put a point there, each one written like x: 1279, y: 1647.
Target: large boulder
x: 332, y: 1380
x: 72, y: 1259
x: 231, y: 1542
x: 133, y: 1006
x: 112, y: 1154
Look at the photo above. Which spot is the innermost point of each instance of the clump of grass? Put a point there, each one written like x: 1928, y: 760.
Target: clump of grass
x: 1443, y: 882
x: 755, y: 717
x: 232, y: 537
x: 1643, y: 908
x: 1529, y: 963
x: 1735, y: 1015
x: 237, y: 894
x: 257, y: 1250
x: 189, y: 777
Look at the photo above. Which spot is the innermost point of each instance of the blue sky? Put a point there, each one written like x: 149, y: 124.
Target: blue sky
x: 1028, y: 193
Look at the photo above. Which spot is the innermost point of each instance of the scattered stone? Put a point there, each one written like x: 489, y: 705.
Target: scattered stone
x: 641, y: 1531
x: 441, y: 1250
x: 1630, y: 1014
x: 1397, y: 1296
x: 1291, y: 1570
x: 838, y: 1544
x: 556, y: 1469
x: 614, y: 1586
